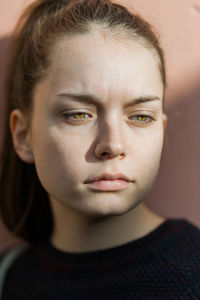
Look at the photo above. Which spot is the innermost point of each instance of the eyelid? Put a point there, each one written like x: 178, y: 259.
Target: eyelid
x: 142, y: 111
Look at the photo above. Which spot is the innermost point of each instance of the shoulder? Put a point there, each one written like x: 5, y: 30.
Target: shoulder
x: 184, y: 245
x: 183, y: 256
x: 8, y: 256
x: 187, y: 239
x: 11, y: 250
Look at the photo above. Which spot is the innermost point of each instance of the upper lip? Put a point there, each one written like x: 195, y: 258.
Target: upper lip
x: 108, y: 176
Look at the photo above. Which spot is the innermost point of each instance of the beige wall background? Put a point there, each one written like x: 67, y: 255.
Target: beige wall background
x: 177, y: 190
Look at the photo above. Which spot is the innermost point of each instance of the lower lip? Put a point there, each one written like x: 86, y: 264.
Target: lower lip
x: 108, y: 185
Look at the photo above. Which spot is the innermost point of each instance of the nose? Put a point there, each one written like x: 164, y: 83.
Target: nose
x: 110, y: 141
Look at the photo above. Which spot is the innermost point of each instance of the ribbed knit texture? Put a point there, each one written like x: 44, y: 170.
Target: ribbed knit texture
x: 164, y: 264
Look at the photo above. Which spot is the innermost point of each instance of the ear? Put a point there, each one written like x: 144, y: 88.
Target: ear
x: 164, y: 119
x: 20, y: 136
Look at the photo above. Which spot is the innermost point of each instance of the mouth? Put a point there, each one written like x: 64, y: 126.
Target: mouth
x: 108, y: 185
x: 109, y: 182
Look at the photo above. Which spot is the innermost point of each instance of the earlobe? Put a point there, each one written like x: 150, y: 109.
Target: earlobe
x: 164, y: 121
x: 19, y: 131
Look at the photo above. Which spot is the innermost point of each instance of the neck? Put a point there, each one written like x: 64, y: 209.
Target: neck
x: 74, y: 232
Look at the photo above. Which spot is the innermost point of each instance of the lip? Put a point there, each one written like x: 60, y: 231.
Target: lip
x: 109, y: 182
x: 109, y: 176
x: 108, y: 185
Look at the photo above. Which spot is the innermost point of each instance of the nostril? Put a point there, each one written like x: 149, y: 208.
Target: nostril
x: 106, y: 154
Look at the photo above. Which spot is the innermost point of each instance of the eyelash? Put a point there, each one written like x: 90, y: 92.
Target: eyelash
x: 67, y: 115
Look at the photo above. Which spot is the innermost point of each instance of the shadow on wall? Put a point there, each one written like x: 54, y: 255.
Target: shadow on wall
x: 176, y: 192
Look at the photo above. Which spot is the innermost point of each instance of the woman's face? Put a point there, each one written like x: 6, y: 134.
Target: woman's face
x: 74, y: 138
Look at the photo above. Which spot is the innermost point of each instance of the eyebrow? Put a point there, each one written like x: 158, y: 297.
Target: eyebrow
x: 87, y: 98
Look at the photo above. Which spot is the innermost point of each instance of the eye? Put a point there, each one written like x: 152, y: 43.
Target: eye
x: 142, y: 118
x: 80, y: 117
x: 76, y: 116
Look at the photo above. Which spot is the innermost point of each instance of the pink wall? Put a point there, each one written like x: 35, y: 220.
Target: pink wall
x: 176, y: 193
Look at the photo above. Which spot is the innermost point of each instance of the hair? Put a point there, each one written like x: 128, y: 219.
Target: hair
x: 24, y: 204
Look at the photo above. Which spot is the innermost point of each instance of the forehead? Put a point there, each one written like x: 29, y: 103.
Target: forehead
x: 98, y: 62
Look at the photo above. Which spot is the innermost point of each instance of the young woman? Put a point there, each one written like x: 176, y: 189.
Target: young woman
x: 84, y: 136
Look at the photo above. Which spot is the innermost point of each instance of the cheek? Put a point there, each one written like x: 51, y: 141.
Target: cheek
x: 147, y: 162
x: 149, y: 151
x: 60, y: 155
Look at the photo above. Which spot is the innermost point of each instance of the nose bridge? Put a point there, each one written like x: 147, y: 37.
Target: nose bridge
x: 111, y: 126
x: 110, y: 142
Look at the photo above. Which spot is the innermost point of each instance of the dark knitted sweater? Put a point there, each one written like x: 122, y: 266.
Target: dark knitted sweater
x: 164, y: 264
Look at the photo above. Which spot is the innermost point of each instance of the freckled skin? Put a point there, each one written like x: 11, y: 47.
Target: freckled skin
x: 67, y: 153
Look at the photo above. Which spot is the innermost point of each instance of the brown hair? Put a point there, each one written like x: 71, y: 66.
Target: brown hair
x: 24, y: 204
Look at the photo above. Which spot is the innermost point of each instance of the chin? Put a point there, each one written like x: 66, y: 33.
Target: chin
x: 108, y: 211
